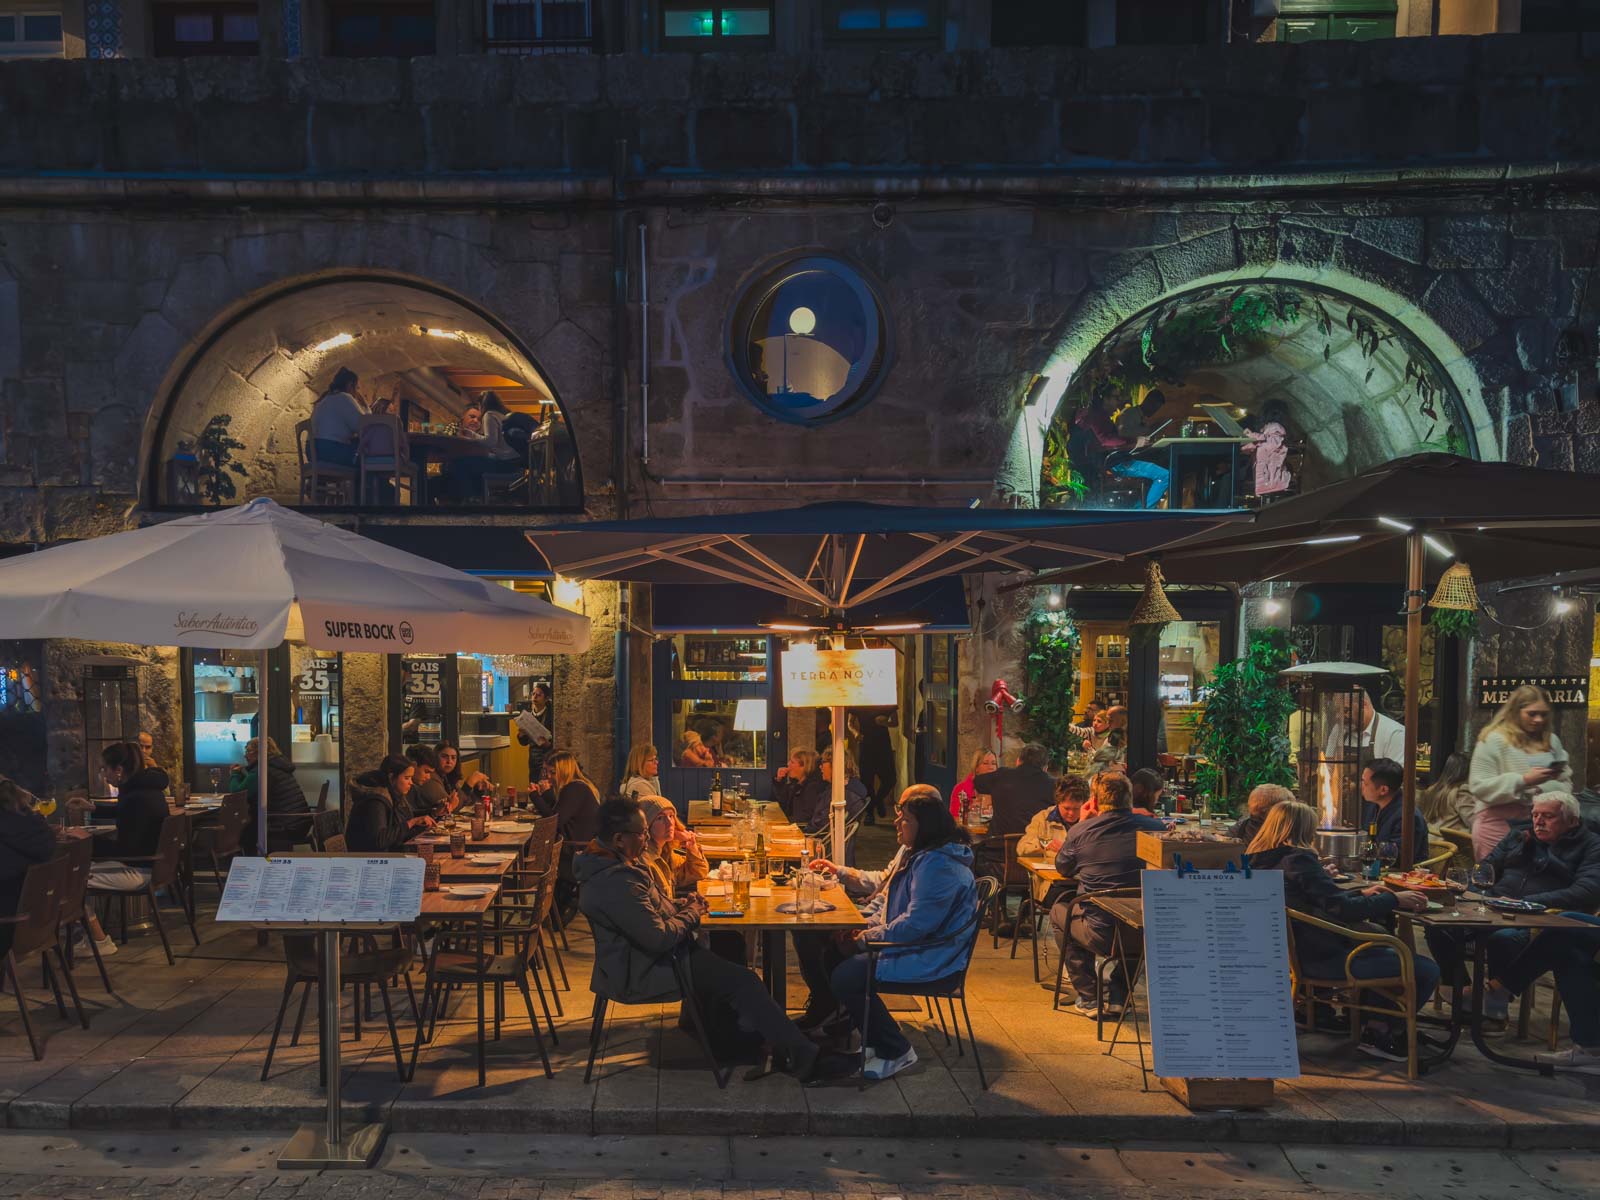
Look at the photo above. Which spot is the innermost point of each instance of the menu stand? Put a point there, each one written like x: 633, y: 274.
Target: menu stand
x: 313, y: 1148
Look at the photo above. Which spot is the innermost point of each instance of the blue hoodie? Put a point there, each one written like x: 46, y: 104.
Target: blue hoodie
x: 932, y: 895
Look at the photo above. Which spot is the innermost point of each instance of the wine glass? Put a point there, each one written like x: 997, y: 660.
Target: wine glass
x: 1457, y: 878
x: 1483, y: 880
x: 1388, y: 855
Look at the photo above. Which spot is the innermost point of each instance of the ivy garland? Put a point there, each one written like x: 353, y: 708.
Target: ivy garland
x: 1453, y: 622
x: 1051, y: 643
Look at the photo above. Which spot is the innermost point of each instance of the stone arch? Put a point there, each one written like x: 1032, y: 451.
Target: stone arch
x: 1187, y: 269
x: 264, y: 358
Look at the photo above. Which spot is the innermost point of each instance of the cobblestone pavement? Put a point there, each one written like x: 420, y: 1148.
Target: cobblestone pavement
x: 501, y: 1167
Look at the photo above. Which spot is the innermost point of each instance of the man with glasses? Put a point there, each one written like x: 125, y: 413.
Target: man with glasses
x: 1556, y: 863
x: 639, y: 928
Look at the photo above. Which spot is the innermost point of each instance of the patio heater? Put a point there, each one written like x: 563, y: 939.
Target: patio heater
x: 1325, y: 739
x: 110, y: 711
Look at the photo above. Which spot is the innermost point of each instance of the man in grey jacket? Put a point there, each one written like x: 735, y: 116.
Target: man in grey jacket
x: 639, y: 928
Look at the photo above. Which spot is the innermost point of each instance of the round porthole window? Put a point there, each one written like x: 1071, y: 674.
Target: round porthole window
x: 808, y: 340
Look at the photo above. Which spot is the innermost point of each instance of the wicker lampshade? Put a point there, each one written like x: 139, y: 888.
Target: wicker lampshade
x: 1153, y: 608
x: 1456, y: 589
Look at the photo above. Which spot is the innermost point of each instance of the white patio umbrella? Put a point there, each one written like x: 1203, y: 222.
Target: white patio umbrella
x: 256, y: 576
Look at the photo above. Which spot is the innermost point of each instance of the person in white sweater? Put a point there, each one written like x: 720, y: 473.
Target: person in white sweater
x: 1516, y: 758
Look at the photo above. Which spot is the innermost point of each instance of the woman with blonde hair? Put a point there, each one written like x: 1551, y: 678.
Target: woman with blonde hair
x: 1287, y: 843
x: 671, y: 852
x: 964, y: 794
x: 575, y: 802
x: 641, y: 777
x: 695, y: 752
x: 1516, y: 758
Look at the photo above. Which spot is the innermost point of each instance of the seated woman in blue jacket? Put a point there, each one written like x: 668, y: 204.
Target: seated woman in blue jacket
x: 931, y: 896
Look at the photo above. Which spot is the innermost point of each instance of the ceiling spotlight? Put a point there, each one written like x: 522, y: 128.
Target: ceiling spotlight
x: 453, y: 335
x: 333, y: 343
x: 1272, y: 607
x: 1563, y: 606
x: 1393, y: 524
x: 1054, y: 599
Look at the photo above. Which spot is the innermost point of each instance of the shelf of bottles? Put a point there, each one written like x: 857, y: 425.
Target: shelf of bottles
x: 1111, y: 669
x: 720, y: 659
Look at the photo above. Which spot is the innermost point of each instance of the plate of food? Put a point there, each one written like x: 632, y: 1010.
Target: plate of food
x: 1419, y: 880
x: 1509, y: 904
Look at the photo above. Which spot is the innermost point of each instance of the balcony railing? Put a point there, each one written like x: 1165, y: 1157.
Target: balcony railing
x: 539, y: 27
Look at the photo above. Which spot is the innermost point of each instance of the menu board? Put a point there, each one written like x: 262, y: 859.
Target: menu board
x: 323, y: 891
x: 1217, y: 965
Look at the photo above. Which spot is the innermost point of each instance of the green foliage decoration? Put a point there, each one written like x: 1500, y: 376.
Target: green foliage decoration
x: 1244, y: 730
x: 1051, y: 643
x: 1453, y: 622
x: 213, y: 451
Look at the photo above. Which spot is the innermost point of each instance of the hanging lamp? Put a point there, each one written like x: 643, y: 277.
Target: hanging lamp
x: 1455, y: 603
x: 1154, y: 610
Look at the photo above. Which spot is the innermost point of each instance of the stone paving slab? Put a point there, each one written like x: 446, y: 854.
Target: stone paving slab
x: 181, y: 1047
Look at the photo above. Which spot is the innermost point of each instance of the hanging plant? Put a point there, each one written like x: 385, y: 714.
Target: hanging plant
x: 1050, y: 661
x: 1453, y: 622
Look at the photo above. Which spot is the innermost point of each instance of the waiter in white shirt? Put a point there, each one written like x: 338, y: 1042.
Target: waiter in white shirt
x: 1381, y: 736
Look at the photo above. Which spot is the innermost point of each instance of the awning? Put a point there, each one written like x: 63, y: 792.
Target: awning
x: 939, y: 607
x: 845, y: 556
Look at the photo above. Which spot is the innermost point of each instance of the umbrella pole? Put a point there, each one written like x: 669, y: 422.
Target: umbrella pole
x: 262, y: 672
x: 1413, y: 610
x: 836, y: 813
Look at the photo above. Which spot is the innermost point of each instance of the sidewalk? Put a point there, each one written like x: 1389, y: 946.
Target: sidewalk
x: 182, y: 1047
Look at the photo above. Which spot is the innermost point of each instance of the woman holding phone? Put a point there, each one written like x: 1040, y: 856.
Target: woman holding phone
x: 1516, y: 758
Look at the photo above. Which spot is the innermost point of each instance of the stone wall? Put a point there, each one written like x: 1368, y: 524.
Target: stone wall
x: 1487, y: 99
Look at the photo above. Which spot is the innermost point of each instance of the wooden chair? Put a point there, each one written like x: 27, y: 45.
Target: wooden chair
x: 1013, y: 881
x: 220, y: 841
x: 529, y: 898
x: 360, y: 969
x: 34, y: 931
x: 160, y: 874
x: 320, y: 482
x: 325, y: 823
x: 78, y: 855
x: 1397, y: 994
x: 966, y: 936
x: 382, y: 453
x: 335, y: 844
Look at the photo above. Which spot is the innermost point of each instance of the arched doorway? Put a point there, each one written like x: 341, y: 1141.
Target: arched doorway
x: 1353, y: 388
x: 234, y: 424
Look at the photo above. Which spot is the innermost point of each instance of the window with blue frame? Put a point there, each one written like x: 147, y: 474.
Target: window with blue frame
x: 809, y: 340
x: 714, y: 708
x: 884, y: 18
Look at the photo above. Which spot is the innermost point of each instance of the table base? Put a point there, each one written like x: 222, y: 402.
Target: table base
x: 309, y: 1149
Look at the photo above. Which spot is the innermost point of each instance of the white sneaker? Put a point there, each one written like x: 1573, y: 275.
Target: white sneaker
x: 80, y: 944
x: 1578, y: 1058
x: 106, y: 946
x: 883, y: 1068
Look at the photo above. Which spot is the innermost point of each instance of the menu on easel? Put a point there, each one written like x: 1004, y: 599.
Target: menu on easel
x: 323, y: 891
x: 1217, y: 965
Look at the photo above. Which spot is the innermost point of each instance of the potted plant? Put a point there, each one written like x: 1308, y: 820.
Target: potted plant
x: 213, y: 450
x: 1244, y: 730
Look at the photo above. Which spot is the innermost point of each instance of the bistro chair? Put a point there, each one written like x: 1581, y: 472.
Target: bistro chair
x: 220, y: 840
x: 325, y: 823
x: 950, y: 989
x: 459, y: 959
x: 1396, y: 995
x: 691, y: 1003
x: 360, y: 969
x: 320, y: 482
x: 160, y: 872
x: 382, y: 453
x: 1014, y: 881
x: 78, y: 854
x: 529, y: 898
x: 34, y: 931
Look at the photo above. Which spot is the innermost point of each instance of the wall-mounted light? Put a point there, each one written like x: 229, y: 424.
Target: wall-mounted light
x: 1036, y: 388
x: 567, y: 593
x: 453, y: 335
x: 1563, y: 605
x: 1272, y: 607
x: 803, y: 321
x: 1055, y: 599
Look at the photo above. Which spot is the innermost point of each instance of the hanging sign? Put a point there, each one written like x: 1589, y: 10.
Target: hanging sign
x: 1565, y: 691
x: 830, y: 678
x: 423, y: 680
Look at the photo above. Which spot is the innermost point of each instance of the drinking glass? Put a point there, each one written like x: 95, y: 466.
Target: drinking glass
x: 1457, y: 878
x: 1388, y: 855
x: 741, y: 887
x: 807, y: 890
x: 1483, y: 880
x: 458, y: 845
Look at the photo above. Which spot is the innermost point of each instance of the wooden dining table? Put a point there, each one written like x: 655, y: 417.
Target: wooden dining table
x: 764, y: 918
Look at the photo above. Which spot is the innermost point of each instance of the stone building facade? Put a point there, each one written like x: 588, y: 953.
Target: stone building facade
x: 164, y: 222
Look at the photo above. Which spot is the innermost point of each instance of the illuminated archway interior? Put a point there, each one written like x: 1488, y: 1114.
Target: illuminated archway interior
x: 418, y: 349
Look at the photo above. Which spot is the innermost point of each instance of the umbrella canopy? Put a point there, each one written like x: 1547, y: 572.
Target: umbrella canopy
x: 837, y: 556
x: 1506, y: 521
x: 252, y: 577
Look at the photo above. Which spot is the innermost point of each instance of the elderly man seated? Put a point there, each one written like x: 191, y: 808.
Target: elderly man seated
x: 1260, y: 802
x: 1556, y: 863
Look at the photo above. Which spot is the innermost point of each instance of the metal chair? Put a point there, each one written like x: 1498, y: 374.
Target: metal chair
x: 161, y: 874
x: 697, y: 1017
x: 320, y: 482
x: 1397, y: 994
x: 950, y: 989
x: 360, y: 969
x: 34, y: 931
x: 1013, y: 880
x: 220, y: 841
